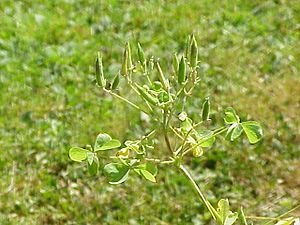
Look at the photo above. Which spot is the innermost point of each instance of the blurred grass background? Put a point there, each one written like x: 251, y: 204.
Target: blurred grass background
x: 249, y: 52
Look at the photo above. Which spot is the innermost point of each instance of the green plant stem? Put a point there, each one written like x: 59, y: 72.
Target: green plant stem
x: 198, y: 191
x: 216, y: 132
x: 125, y: 100
x: 165, y: 131
x: 278, y: 217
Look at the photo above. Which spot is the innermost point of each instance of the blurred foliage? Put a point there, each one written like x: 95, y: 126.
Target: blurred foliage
x: 249, y: 52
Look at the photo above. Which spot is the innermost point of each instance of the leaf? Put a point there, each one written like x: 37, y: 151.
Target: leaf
x: 230, y: 116
x: 186, y: 125
x: 253, y: 131
x: 101, y: 140
x: 94, y: 166
x: 236, y: 132
x: 90, y: 157
x: 151, y: 167
x: 78, y: 154
x: 223, y: 209
x: 149, y: 176
x: 104, y: 142
x: 116, y: 172
x: 206, y: 139
x: 231, y: 218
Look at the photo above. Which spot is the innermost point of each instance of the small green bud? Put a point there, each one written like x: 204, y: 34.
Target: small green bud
x: 115, y: 82
x: 182, y: 71
x: 194, y: 52
x: 124, y: 71
x: 99, y: 71
x: 161, y: 77
x: 188, y: 46
x: 206, y: 110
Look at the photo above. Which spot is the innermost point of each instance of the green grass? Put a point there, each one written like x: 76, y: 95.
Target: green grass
x: 249, y: 52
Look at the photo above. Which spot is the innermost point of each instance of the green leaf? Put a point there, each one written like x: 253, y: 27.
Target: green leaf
x: 90, y: 157
x: 236, y: 132
x: 206, y: 139
x: 94, y: 166
x: 116, y: 172
x: 151, y: 167
x: 101, y: 140
x: 223, y: 209
x: 230, y: 116
x: 253, y: 131
x: 78, y: 154
x: 186, y: 125
x: 109, y: 145
x: 149, y: 176
x: 231, y: 218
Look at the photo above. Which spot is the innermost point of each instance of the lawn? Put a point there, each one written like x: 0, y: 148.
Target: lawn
x: 249, y: 53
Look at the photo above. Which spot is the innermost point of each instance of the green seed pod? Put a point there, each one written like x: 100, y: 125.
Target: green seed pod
x: 205, y: 110
x: 197, y: 152
x: 129, y: 65
x: 142, y: 58
x: 99, y: 71
x: 194, y: 52
x: 187, y: 46
x: 148, y: 97
x: 124, y: 71
x: 115, y: 82
x: 182, y: 71
x: 161, y: 77
x: 175, y: 63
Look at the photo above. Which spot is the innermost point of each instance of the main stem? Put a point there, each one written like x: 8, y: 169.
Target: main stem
x: 198, y: 191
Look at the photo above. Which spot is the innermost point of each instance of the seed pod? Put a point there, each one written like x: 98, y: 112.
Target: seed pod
x: 141, y: 56
x: 116, y: 82
x: 205, y: 110
x: 129, y: 65
x: 175, y: 63
x: 148, y: 97
x: 197, y: 152
x: 194, y: 52
x: 161, y: 76
x: 182, y: 71
x: 188, y: 46
x: 124, y: 71
x: 99, y: 71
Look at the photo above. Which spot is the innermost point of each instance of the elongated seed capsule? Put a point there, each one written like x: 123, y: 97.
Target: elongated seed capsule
x: 161, y: 76
x: 124, y: 70
x: 115, y: 82
x: 194, y: 52
x: 141, y: 55
x: 187, y: 46
x: 205, y: 110
x: 182, y: 71
x: 175, y: 63
x: 129, y: 65
x: 149, y: 98
x: 99, y: 71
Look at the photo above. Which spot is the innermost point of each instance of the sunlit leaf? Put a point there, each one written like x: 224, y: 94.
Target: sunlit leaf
x: 149, y: 176
x: 223, y: 208
x: 206, y: 138
x: 231, y: 218
x: 242, y: 217
x: 90, y: 157
x: 230, y: 116
x: 236, y: 132
x: 78, y: 154
x: 286, y: 221
x: 151, y: 167
x: 109, y: 145
x: 116, y: 173
x: 253, y: 131
x: 94, y: 166
x: 101, y: 140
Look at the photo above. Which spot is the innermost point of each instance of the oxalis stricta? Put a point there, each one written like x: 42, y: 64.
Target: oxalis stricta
x: 163, y: 99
